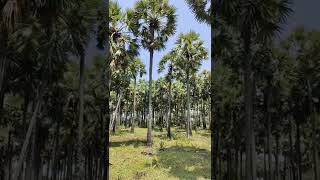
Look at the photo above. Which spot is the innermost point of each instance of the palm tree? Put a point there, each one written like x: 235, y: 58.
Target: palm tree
x: 154, y: 21
x: 79, y: 24
x: 190, y: 51
x: 121, y: 47
x: 255, y: 23
x: 168, y: 60
x: 135, y: 68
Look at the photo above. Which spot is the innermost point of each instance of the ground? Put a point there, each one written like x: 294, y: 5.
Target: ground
x: 179, y: 158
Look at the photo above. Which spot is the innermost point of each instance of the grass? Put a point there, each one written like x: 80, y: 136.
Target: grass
x: 179, y: 158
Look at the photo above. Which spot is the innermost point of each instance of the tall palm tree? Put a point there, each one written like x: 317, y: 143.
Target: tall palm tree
x: 154, y: 21
x: 121, y: 47
x: 136, y: 68
x: 79, y: 25
x: 54, y: 54
x: 168, y: 60
x: 259, y: 21
x: 190, y: 51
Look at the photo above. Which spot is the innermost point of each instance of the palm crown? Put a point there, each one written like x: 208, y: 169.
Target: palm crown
x: 154, y: 21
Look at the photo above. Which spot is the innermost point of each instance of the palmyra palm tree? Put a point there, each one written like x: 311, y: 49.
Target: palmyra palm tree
x: 190, y: 51
x: 154, y: 21
x: 136, y: 68
x: 168, y: 60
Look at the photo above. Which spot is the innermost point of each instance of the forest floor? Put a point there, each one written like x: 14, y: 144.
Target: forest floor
x: 179, y: 158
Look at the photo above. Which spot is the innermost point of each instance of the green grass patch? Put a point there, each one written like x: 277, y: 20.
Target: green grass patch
x: 178, y: 158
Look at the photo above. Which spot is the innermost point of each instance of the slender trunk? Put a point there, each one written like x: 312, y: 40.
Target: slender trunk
x: 189, y: 125
x: 298, y: 147
x: 48, y: 169
x: 28, y: 137
x: 248, y: 99
x: 292, y: 169
x: 214, y: 126
x: 9, y: 154
x: 265, y: 160
x: 268, y: 116
x: 277, y: 168
x: 114, y: 117
x: 149, y: 133
x: 3, y: 64
x: 107, y: 78
x: 214, y: 122
x: 80, y: 163
x: 236, y: 165
x: 220, y: 172
x: 285, y: 167
x: 55, y: 151
x: 241, y: 164
x: 134, y: 105
x: 169, y: 112
x: 25, y: 111
x: 35, y: 161
x: 229, y: 171
x: 314, y: 135
x: 315, y: 150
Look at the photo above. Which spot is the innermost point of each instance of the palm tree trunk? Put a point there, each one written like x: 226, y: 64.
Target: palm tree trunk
x: 35, y: 156
x: 9, y: 154
x: 80, y: 163
x: 214, y: 122
x: 248, y: 99
x: 149, y: 133
x: 55, y: 151
x: 298, y: 147
x: 292, y: 169
x: 28, y: 137
x: 285, y: 167
x: 265, y: 159
x: 134, y: 105
x: 25, y: 110
x: 268, y: 116
x: 107, y: 78
x: 114, y: 117
x: 189, y: 125
x: 105, y: 154
x: 169, y: 112
x: 277, y: 168
x: 314, y: 139
x: 3, y: 64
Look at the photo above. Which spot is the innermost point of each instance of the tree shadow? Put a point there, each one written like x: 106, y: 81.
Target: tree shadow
x: 204, y: 133
x: 131, y: 142
x: 185, y: 162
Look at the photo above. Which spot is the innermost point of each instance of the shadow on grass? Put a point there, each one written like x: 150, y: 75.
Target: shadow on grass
x: 185, y: 162
x: 205, y: 133
x: 120, y: 132
x: 132, y: 142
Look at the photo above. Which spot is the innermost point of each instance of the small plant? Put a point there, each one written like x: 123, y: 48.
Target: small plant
x: 161, y: 145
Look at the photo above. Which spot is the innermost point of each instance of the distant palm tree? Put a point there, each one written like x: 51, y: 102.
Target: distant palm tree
x: 136, y: 68
x: 190, y: 53
x: 168, y: 60
x: 154, y: 21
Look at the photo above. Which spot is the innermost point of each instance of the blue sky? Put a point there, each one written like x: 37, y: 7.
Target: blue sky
x: 185, y: 23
